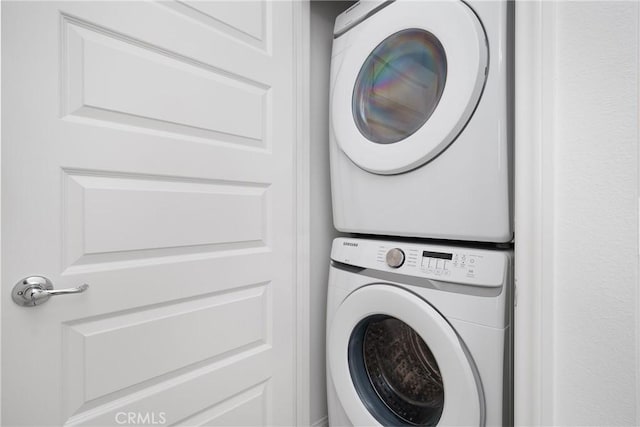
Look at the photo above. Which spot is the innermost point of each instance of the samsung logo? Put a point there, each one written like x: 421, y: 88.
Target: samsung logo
x: 355, y: 245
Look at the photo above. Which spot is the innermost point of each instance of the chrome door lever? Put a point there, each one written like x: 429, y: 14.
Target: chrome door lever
x: 36, y: 290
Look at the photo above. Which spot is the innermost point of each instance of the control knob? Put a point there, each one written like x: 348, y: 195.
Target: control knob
x: 395, y: 257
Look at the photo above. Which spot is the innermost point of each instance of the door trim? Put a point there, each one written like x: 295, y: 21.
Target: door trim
x: 535, y: 42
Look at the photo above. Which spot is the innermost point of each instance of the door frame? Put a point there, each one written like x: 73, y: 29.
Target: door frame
x: 535, y: 107
x: 301, y: 41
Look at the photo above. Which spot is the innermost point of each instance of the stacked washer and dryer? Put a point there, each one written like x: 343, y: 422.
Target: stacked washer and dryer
x: 420, y: 298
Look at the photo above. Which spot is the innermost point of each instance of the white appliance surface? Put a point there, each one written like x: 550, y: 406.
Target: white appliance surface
x: 420, y: 124
x: 457, y: 300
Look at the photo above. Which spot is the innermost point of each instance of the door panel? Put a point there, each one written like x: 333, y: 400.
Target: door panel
x: 116, y: 79
x: 109, y: 217
x: 145, y: 146
x: 246, y: 20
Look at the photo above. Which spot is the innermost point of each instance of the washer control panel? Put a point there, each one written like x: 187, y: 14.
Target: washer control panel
x: 479, y: 267
x: 446, y: 263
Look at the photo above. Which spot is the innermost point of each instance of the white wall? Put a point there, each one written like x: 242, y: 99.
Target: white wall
x: 323, y: 14
x: 577, y: 331
x: 596, y: 214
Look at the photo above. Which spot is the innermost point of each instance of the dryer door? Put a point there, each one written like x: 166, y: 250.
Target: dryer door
x: 394, y: 360
x: 408, y: 83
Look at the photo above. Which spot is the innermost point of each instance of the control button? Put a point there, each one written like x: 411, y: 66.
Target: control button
x: 395, y: 258
x: 471, y: 261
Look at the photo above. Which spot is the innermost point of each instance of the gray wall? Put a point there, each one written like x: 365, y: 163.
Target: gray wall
x: 323, y: 14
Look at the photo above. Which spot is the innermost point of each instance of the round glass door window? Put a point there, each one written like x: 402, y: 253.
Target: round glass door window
x: 395, y: 373
x: 399, y: 86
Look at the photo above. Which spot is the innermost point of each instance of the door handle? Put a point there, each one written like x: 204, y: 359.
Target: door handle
x: 36, y: 290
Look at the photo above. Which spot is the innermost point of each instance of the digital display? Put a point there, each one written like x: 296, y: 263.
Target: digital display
x: 440, y: 255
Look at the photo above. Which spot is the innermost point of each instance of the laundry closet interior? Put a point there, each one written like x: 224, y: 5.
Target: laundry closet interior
x: 562, y: 298
x: 320, y: 213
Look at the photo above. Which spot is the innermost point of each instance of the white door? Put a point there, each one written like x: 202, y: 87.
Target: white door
x: 147, y: 150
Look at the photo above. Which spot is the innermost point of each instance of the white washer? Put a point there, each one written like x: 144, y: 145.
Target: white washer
x: 419, y: 335
x: 421, y: 120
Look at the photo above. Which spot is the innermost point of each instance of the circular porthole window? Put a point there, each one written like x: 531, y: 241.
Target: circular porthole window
x: 399, y: 86
x: 395, y: 373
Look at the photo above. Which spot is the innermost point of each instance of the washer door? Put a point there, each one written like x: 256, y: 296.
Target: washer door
x: 409, y: 82
x: 394, y: 360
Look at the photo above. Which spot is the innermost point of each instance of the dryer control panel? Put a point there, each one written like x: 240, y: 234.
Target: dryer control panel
x: 469, y: 266
x: 357, y: 13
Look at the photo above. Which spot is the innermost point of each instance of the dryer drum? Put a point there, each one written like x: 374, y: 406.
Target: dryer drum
x: 402, y: 372
x: 399, y: 86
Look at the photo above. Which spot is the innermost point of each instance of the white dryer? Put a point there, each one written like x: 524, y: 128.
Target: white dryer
x: 419, y: 335
x: 421, y: 122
